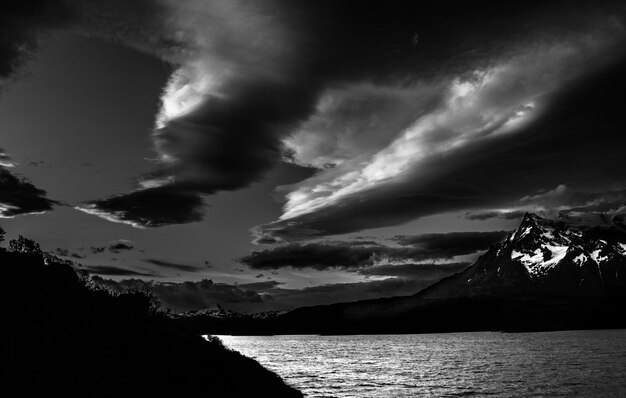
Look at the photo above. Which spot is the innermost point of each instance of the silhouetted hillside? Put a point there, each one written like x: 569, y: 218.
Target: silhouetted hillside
x: 62, y: 336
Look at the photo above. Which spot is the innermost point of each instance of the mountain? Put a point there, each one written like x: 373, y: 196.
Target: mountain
x: 544, y: 257
x: 545, y: 275
x: 62, y: 335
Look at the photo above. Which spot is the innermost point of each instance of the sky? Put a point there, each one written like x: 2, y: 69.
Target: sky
x: 264, y: 155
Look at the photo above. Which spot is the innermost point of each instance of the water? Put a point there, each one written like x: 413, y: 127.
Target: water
x: 555, y: 364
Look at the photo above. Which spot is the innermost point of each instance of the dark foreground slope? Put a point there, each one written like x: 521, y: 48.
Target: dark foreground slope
x: 547, y: 275
x: 60, y: 336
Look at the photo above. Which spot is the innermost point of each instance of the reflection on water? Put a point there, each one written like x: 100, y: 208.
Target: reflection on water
x: 562, y: 364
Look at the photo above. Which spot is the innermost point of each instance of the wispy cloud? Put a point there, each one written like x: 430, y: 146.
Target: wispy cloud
x: 439, y: 162
x: 109, y: 270
x: 217, y: 128
x: 398, y: 129
x: 172, y: 265
x: 607, y: 207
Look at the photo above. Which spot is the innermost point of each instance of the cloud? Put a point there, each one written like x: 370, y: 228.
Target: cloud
x: 422, y: 272
x: 606, y: 207
x: 355, y: 121
x: 398, y: 128
x: 191, y: 295
x: 110, y: 270
x: 152, y: 207
x: 482, y: 215
x: 121, y: 245
x: 501, y: 133
x: 18, y: 196
x: 564, y: 199
x: 261, y: 286
x: 218, y: 129
x: 21, y: 22
x: 346, y: 255
x: 66, y: 253
x: 176, y: 266
x: 5, y: 159
x: 97, y: 249
x: 115, y: 246
x: 452, y: 243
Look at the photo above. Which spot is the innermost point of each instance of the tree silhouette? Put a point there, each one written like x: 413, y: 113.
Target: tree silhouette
x: 2, y: 232
x: 24, y: 245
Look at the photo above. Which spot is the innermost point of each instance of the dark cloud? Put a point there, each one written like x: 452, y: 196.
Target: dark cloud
x: 452, y: 243
x: 176, y: 266
x: 345, y: 94
x: 322, y: 256
x: 191, y: 295
x: 18, y: 196
x: 110, y: 270
x: 97, y: 249
x: 153, y: 207
x: 113, y: 247
x: 211, y: 156
x: 66, y: 253
x: 21, y: 21
x: 261, y: 286
x: 346, y: 255
x: 220, y: 130
x: 121, y: 245
x: 5, y: 159
x: 39, y: 163
x: 574, y: 141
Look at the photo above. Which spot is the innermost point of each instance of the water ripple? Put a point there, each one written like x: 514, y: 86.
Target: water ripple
x: 567, y: 364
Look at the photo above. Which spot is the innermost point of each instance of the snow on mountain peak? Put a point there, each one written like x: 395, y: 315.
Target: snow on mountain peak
x: 540, y: 245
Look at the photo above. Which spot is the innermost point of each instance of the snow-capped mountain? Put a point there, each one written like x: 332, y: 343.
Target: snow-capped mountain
x: 544, y: 256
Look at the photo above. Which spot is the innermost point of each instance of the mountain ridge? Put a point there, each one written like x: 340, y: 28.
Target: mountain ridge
x: 545, y: 275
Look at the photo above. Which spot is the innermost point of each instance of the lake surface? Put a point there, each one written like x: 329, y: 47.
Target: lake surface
x: 555, y: 364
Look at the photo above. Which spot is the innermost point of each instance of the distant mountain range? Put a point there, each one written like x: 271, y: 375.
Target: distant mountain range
x: 546, y: 275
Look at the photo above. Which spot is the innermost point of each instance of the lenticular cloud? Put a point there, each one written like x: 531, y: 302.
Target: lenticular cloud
x: 216, y: 129
x: 379, y: 115
x: 473, y: 109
